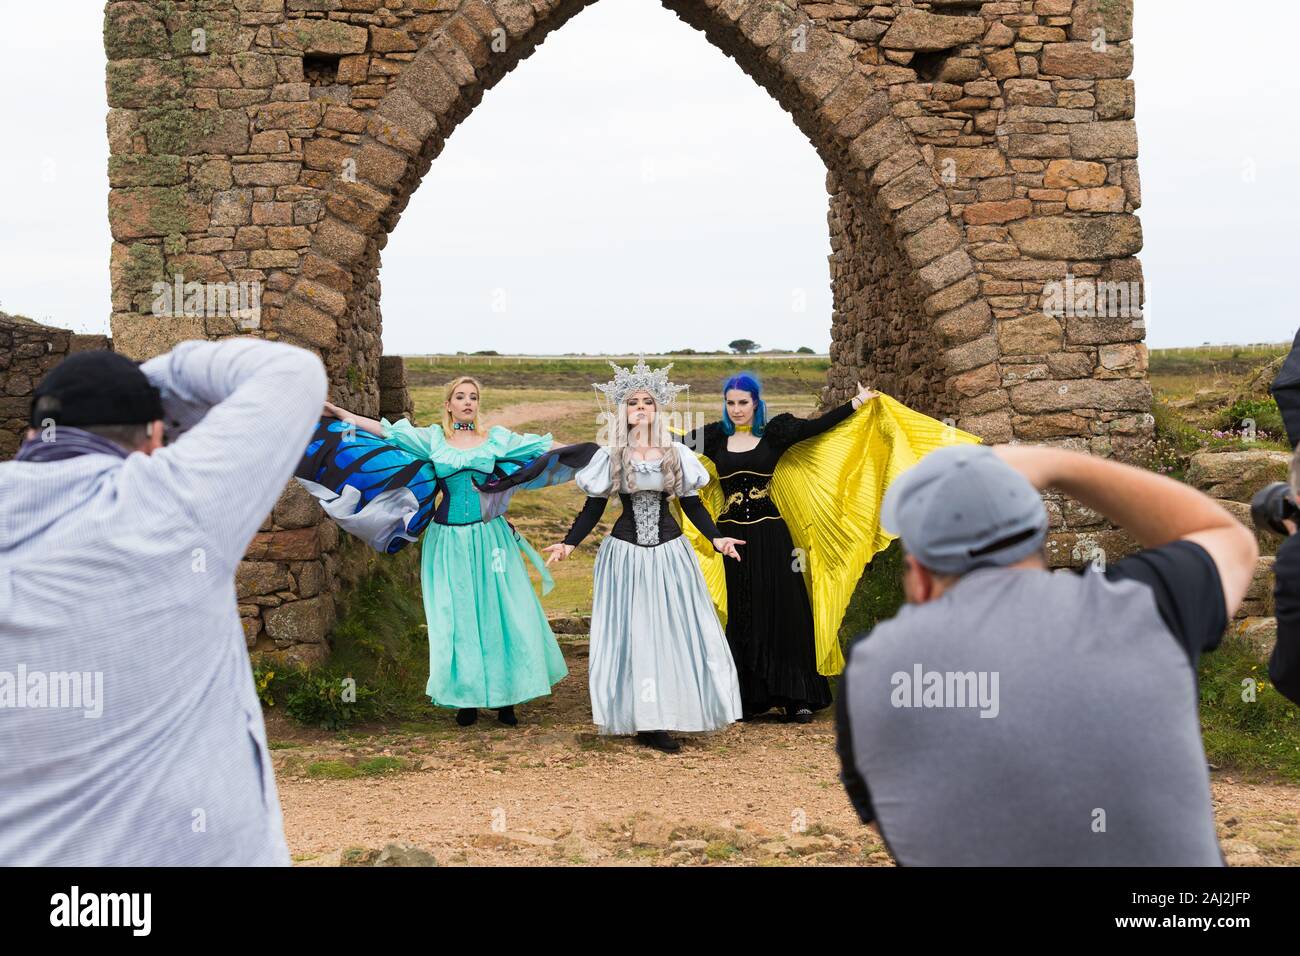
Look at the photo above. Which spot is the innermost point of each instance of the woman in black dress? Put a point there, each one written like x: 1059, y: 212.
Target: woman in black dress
x: 769, y: 616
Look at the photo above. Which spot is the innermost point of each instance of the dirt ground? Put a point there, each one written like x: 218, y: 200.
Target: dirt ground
x: 515, y: 415
x: 553, y: 792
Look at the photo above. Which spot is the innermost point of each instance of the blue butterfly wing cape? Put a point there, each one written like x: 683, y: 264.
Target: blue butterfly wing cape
x: 553, y: 467
x: 385, y: 496
x: 372, y: 489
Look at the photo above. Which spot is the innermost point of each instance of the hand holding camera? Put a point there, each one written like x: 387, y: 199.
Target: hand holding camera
x: 1274, y: 509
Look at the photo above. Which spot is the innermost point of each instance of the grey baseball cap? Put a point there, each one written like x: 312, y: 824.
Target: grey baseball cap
x: 962, y: 508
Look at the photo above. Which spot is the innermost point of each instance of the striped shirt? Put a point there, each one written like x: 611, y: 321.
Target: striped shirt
x: 130, y: 729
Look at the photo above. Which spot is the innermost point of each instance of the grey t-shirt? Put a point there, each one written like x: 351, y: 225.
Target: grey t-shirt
x: 1037, y: 718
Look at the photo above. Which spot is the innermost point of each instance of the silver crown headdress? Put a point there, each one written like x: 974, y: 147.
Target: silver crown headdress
x: 638, y: 378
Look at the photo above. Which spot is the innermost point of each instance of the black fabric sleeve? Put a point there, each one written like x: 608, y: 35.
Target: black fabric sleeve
x: 1284, y: 666
x: 1188, y: 592
x: 854, y: 783
x: 792, y: 429
x: 590, y: 514
x: 695, y: 510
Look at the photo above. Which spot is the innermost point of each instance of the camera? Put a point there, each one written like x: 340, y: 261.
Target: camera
x: 1272, y: 505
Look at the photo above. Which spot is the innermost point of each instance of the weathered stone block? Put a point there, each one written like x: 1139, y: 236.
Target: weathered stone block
x: 1237, y: 475
x: 939, y: 237
x: 1031, y: 335
x: 1111, y: 140
x: 1072, y: 174
x: 1115, y: 395
x: 261, y: 577
x: 296, y: 508
x: 1102, y: 199
x: 917, y: 30
x: 300, y: 622
x: 1096, y: 237
x: 322, y: 36
x: 965, y: 323
x: 881, y: 140
x: 969, y: 162
x: 303, y: 321
x: 1114, y: 18
x: 986, y: 213
x: 1116, y: 99
x: 154, y: 211
x: 1079, y: 60
x: 945, y: 271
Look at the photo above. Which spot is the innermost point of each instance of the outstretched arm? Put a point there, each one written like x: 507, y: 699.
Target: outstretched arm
x: 695, y: 510
x: 805, y: 428
x: 360, y: 421
x: 1154, y: 509
x: 587, y: 518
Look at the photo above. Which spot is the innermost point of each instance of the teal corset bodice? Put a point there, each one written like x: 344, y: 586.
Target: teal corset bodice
x: 460, y: 504
x: 457, y: 469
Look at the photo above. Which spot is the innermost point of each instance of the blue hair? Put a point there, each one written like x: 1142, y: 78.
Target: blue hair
x: 747, y: 382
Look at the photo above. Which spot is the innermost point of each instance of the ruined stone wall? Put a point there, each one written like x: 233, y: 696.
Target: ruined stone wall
x: 1028, y: 126
x: 978, y: 154
x: 878, y: 332
x: 27, y: 351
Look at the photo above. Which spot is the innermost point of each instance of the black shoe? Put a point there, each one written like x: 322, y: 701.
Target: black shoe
x: 466, y: 716
x: 658, y: 739
x: 801, y: 716
x: 507, y: 716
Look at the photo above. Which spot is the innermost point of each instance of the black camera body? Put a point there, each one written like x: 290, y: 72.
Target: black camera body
x: 1272, y: 505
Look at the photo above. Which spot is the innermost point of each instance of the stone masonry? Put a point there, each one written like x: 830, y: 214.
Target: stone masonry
x: 27, y: 351
x: 976, y: 154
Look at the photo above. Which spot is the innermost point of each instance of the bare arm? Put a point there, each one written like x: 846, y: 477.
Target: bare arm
x: 360, y: 421
x: 1156, y: 510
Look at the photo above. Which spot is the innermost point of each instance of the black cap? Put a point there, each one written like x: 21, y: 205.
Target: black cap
x: 96, y: 388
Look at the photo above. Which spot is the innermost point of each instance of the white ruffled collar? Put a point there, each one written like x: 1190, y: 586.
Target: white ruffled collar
x: 645, y: 466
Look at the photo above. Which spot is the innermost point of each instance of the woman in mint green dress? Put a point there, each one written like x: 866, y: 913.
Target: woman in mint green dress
x: 489, y: 641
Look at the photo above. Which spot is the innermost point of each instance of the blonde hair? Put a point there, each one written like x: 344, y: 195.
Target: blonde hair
x: 620, y: 454
x: 454, y: 384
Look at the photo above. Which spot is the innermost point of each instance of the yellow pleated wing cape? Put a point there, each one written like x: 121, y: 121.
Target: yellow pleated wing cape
x: 828, y: 489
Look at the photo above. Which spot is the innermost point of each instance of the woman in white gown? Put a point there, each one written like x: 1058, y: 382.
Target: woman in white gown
x: 659, y: 658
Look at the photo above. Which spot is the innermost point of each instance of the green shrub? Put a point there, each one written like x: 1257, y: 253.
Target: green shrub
x: 1262, y: 411
x: 1263, y: 734
x: 321, y: 698
x: 878, y: 596
x: 332, y: 770
x: 262, y: 677
x: 379, y: 643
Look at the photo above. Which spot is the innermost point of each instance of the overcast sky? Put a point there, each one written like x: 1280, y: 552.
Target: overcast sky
x: 629, y: 188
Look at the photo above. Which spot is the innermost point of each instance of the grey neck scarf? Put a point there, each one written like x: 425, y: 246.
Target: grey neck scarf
x: 68, y: 443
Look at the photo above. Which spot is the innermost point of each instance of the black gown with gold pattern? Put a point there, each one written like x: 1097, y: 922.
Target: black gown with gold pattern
x: 769, y: 616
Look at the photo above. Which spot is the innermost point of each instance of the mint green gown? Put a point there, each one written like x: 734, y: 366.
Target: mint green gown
x: 489, y: 641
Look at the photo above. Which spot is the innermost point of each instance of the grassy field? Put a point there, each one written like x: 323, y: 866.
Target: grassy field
x: 1207, y: 399
x: 781, y: 374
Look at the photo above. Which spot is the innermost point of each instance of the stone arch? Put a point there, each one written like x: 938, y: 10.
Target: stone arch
x: 978, y: 152
x: 875, y: 165
x: 975, y: 152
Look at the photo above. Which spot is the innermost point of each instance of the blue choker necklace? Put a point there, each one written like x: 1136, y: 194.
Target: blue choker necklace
x: 462, y: 426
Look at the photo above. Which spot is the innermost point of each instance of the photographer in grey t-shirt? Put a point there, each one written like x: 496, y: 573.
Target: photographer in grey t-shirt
x: 1012, y: 715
